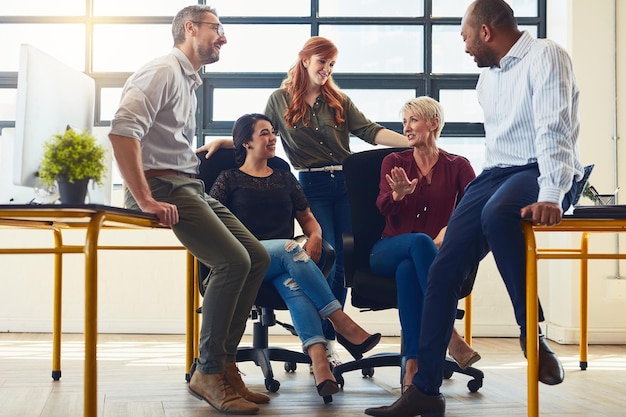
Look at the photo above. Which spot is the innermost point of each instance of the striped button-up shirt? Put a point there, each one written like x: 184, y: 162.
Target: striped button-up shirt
x: 530, y: 104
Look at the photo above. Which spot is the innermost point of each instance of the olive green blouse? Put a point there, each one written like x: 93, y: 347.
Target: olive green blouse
x: 323, y: 142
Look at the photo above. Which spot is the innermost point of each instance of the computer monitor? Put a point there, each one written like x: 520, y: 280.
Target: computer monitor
x: 50, y: 96
x: 9, y: 192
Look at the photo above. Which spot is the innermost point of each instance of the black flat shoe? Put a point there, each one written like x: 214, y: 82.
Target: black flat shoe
x: 357, y: 351
x: 327, y: 387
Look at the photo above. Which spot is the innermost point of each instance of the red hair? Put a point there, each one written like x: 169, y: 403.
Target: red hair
x: 297, y: 83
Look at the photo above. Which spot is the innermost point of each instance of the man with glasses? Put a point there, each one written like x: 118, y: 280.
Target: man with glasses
x: 217, y: 26
x: 152, y: 136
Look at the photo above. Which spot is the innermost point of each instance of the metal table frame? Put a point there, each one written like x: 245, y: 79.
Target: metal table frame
x: 93, y: 219
x: 569, y: 224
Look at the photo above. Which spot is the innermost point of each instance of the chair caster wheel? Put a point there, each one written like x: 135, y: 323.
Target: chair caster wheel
x: 272, y: 385
x: 290, y: 366
x: 474, y: 385
x: 367, y: 372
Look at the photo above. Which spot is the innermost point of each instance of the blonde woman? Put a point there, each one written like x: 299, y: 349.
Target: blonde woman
x: 419, y: 189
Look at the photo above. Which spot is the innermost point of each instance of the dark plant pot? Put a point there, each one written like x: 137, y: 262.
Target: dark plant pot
x: 72, y: 193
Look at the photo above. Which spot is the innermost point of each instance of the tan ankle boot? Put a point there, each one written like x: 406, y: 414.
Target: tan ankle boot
x: 233, y: 377
x: 215, y: 390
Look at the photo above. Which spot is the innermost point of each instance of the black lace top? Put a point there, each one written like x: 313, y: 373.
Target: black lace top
x: 265, y: 205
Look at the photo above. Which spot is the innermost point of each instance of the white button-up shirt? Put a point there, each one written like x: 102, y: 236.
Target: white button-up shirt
x: 158, y: 107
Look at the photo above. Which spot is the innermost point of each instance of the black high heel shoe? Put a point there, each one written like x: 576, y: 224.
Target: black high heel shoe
x: 357, y: 351
x: 327, y: 387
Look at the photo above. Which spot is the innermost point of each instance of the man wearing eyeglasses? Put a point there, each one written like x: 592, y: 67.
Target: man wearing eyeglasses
x: 152, y: 136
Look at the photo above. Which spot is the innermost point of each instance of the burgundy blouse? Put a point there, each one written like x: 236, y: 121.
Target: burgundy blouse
x: 429, y: 208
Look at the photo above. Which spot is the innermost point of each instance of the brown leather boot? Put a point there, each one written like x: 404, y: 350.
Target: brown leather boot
x: 215, y: 390
x: 233, y: 377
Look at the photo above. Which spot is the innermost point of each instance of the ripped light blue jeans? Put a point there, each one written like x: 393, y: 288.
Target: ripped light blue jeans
x: 302, y: 285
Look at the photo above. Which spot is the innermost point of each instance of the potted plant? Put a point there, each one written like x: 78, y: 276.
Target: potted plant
x: 72, y: 159
x: 590, y: 193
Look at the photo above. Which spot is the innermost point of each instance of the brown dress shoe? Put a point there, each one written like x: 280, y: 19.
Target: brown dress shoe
x: 215, y: 390
x: 550, y: 368
x: 413, y: 402
x: 233, y: 376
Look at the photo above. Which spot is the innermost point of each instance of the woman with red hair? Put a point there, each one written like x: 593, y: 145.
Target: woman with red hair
x: 315, y: 120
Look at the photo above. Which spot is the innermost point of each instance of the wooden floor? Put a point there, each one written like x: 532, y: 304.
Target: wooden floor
x: 143, y: 375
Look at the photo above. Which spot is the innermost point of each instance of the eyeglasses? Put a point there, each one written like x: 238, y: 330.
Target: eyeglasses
x: 217, y: 26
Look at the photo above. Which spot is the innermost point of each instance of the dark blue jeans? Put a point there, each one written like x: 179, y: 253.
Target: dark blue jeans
x: 328, y: 198
x: 486, y: 219
x: 407, y: 257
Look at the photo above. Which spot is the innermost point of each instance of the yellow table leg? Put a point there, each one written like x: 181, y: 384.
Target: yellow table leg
x: 468, y: 319
x: 196, y: 317
x: 91, y: 315
x: 57, y: 306
x: 190, y: 312
x: 532, y: 321
x: 584, y: 311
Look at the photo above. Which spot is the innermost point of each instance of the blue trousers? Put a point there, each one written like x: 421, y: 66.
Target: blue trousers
x: 328, y: 198
x: 486, y: 219
x: 406, y: 257
x: 302, y: 285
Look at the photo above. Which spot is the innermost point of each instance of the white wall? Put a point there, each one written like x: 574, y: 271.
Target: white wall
x: 144, y: 292
x: 595, y: 44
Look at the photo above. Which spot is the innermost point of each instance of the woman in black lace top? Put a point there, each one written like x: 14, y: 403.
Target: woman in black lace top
x: 267, y: 201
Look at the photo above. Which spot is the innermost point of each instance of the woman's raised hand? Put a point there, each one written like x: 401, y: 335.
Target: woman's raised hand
x: 399, y: 183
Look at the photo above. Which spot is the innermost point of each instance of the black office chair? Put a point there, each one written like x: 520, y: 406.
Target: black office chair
x: 268, y: 299
x: 369, y: 291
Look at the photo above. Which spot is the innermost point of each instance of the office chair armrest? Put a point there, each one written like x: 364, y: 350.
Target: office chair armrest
x: 348, y: 256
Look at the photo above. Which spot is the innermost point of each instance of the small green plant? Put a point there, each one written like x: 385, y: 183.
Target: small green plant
x: 589, y: 194
x: 73, y: 155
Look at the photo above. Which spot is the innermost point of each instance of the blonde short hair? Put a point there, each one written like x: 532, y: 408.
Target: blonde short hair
x: 425, y: 108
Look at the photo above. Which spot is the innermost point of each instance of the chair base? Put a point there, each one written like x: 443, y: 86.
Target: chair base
x: 450, y: 367
x: 367, y: 365
x: 262, y: 354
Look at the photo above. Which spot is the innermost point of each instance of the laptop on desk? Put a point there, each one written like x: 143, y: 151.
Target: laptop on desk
x: 612, y: 211
x: 604, y: 211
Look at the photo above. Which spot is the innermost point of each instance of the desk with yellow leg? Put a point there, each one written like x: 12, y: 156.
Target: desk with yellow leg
x: 93, y: 219
x: 569, y: 224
